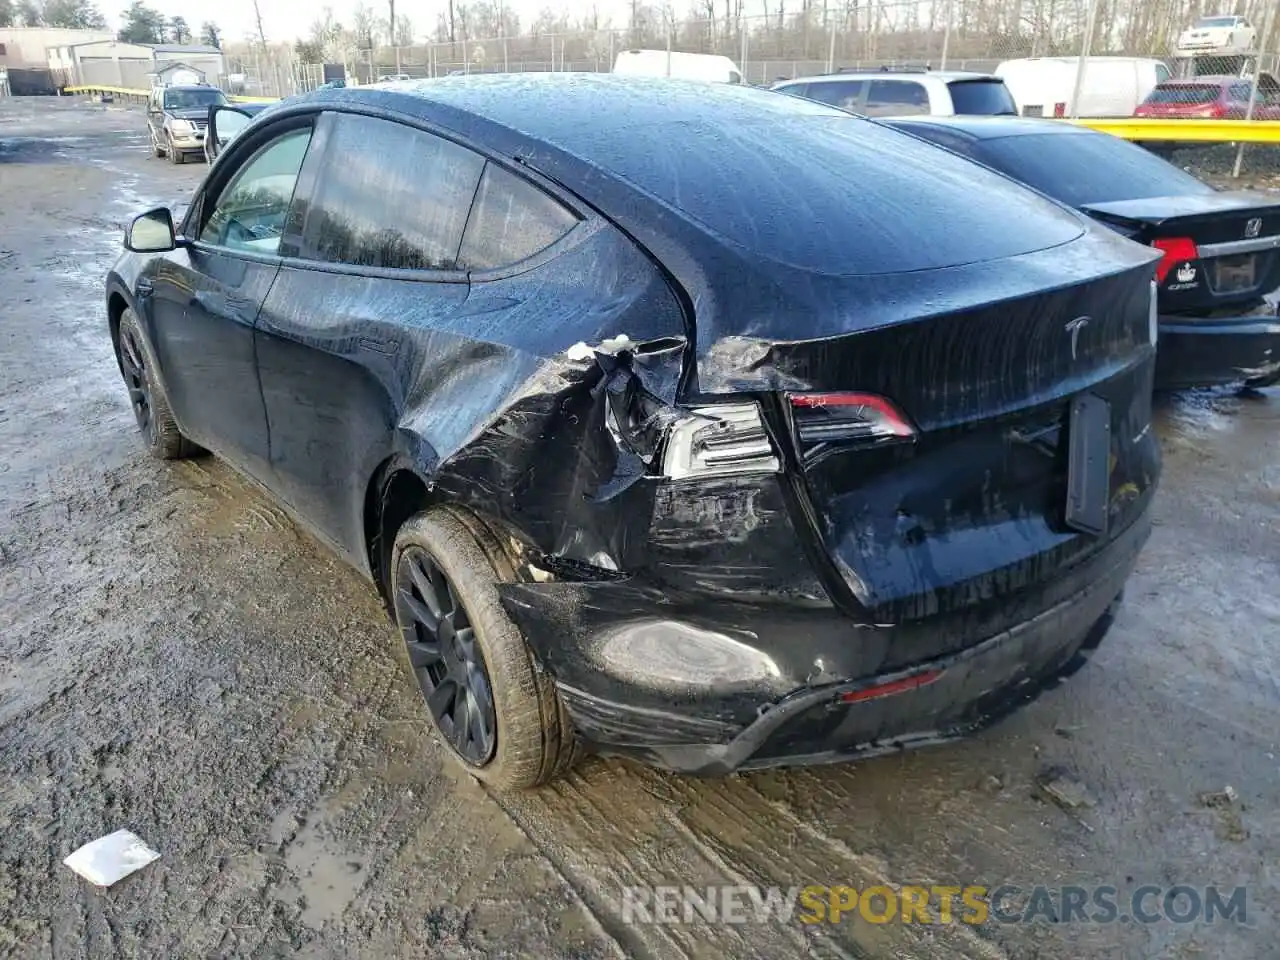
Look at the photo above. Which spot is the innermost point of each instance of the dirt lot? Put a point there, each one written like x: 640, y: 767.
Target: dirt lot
x: 176, y: 658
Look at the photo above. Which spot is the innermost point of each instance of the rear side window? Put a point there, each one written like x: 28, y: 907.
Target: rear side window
x: 1162, y: 73
x: 511, y: 221
x: 389, y: 196
x: 983, y: 98
x: 896, y: 98
x: 1184, y: 93
x: 844, y: 94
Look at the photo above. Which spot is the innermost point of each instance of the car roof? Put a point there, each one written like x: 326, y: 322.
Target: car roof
x: 1221, y: 79
x: 995, y: 128
x: 945, y: 76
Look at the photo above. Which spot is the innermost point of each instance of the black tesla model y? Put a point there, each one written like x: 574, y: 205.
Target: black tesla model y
x: 688, y: 422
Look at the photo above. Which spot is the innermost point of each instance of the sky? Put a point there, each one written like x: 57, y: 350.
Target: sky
x: 287, y: 20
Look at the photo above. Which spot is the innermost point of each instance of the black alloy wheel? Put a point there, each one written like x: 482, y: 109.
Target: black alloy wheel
x: 133, y: 360
x: 446, y: 659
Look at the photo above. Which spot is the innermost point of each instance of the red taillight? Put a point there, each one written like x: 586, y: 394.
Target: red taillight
x: 837, y: 417
x: 1059, y: 109
x: 892, y: 687
x: 1176, y: 250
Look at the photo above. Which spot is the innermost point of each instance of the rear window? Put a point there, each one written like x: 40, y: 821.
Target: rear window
x: 981, y: 97
x: 1080, y: 168
x: 1209, y: 23
x: 1184, y: 93
x: 836, y: 194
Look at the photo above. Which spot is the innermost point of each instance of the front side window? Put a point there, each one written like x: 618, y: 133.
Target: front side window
x: 389, y: 196
x: 510, y: 221
x: 193, y: 99
x: 896, y: 98
x: 844, y: 94
x: 250, y: 212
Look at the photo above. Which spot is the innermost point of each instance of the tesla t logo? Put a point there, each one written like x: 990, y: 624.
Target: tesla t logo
x: 1253, y: 228
x: 1074, y: 327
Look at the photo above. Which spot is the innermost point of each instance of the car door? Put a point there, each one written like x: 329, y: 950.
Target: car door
x: 205, y: 298
x: 381, y: 210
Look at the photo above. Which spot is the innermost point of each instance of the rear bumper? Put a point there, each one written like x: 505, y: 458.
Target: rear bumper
x: 722, y: 686
x: 1196, y: 352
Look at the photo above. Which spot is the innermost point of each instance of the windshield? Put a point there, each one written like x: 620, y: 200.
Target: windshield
x: 1183, y: 93
x: 1206, y: 23
x: 1081, y: 168
x: 982, y: 98
x: 189, y: 99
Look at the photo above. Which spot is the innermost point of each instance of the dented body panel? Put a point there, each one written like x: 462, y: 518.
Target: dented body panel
x: 708, y: 622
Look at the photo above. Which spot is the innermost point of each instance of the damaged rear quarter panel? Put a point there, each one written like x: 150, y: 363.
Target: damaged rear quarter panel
x: 469, y: 383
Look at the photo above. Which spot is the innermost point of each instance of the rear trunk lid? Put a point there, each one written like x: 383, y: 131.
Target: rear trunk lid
x: 1220, y: 249
x: 983, y: 363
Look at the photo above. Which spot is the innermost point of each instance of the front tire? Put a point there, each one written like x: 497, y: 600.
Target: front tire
x: 175, y: 155
x: 146, y: 394
x: 493, y: 708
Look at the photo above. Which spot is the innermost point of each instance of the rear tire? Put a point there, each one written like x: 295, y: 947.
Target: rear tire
x: 146, y: 394
x: 533, y: 740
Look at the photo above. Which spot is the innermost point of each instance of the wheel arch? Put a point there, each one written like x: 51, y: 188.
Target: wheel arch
x: 400, y: 488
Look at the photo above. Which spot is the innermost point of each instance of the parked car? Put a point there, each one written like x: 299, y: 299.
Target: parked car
x: 1220, y: 36
x: 892, y: 93
x: 685, y: 66
x: 1220, y: 251
x: 177, y: 117
x: 1213, y: 98
x: 393, y: 77
x: 225, y: 122
x: 1111, y: 86
x: 635, y: 463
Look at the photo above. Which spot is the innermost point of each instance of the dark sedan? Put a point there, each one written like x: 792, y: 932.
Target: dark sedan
x: 664, y: 422
x: 1220, y: 264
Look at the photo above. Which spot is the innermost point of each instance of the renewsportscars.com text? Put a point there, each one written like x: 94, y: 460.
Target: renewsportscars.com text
x: 973, y: 904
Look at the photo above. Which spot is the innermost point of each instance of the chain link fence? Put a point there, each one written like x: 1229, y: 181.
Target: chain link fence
x: 1099, y: 58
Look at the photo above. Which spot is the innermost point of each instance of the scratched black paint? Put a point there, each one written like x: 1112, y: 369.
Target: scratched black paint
x: 742, y: 245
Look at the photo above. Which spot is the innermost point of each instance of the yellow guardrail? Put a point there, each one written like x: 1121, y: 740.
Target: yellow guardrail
x: 143, y: 94
x: 1187, y: 131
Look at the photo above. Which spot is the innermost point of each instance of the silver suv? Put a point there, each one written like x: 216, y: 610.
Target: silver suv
x: 904, y: 93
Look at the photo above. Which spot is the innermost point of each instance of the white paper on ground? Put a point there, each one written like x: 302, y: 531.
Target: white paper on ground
x: 111, y: 858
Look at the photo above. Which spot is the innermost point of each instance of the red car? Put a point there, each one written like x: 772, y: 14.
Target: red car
x: 1212, y: 98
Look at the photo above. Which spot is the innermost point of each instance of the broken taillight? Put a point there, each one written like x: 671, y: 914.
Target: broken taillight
x: 720, y: 440
x: 1176, y: 250
x: 821, y: 418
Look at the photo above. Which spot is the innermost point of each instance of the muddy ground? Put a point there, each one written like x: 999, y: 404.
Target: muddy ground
x: 176, y: 658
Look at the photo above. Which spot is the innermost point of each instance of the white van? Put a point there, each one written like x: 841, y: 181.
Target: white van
x: 686, y: 66
x: 1113, y: 86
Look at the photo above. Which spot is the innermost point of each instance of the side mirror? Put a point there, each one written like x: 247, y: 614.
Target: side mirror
x: 151, y: 232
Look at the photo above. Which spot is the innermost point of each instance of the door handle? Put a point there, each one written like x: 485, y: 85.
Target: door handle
x: 145, y: 288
